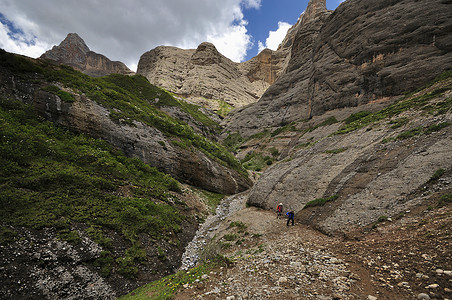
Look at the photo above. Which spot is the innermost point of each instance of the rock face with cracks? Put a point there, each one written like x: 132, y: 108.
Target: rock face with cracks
x: 75, y: 53
x: 205, y: 76
x: 363, y: 52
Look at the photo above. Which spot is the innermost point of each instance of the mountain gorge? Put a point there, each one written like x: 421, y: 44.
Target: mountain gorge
x: 110, y: 180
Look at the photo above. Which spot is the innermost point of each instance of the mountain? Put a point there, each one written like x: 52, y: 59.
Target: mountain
x: 205, y: 76
x: 109, y: 183
x: 73, y: 51
x: 361, y: 53
x: 91, y: 204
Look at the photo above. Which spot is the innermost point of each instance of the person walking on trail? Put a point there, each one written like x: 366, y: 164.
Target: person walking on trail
x: 279, y: 210
x: 290, y: 216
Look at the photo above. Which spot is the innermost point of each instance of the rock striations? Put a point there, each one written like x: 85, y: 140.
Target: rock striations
x: 205, y: 76
x: 363, y: 52
x: 74, y: 52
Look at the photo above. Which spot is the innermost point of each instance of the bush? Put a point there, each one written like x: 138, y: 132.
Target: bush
x: 320, y: 201
x: 356, y: 116
x: 437, y: 175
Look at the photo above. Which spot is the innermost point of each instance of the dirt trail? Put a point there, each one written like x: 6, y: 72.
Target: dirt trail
x: 273, y: 261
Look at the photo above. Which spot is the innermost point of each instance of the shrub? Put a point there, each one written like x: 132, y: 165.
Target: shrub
x: 320, y: 201
x: 437, y: 175
x: 444, y: 200
x: 356, y: 116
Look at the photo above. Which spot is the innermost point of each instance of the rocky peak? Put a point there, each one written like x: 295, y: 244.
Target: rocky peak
x: 74, y: 52
x: 315, y: 7
x: 206, y: 54
x: 72, y: 49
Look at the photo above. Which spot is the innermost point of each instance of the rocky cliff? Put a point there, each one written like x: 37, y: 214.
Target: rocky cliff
x: 382, y: 165
x: 152, y: 145
x: 363, y: 52
x: 205, y: 76
x: 74, y: 52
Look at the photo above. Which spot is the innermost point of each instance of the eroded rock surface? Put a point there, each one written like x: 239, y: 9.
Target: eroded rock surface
x: 73, y: 51
x: 205, y: 76
x: 363, y: 52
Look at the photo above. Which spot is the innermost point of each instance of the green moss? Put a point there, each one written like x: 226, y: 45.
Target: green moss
x: 320, y: 201
x: 336, y: 151
x: 405, y: 103
x: 356, y: 116
x: 129, y: 99
x: 256, y: 161
x: 233, y: 141
x: 288, y: 127
x: 410, y: 133
x: 445, y: 200
x: 437, y: 175
x: 64, y: 96
x: 224, y: 109
x: 104, y: 263
x: 213, y: 200
x: 167, y: 287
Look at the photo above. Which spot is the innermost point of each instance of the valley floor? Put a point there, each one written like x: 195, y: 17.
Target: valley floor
x: 408, y: 258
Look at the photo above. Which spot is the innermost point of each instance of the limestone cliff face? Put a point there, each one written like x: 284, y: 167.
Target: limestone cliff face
x: 139, y: 140
x: 204, y: 73
x: 74, y: 52
x: 365, y: 51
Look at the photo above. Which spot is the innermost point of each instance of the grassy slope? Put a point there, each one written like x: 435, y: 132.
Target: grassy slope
x: 128, y: 98
x: 50, y: 177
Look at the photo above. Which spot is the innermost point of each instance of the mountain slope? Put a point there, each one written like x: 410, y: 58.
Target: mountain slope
x: 374, y: 166
x: 206, y: 77
x: 73, y: 51
x: 364, y: 52
x: 124, y: 111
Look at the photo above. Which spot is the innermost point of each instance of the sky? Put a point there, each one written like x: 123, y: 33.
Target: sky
x: 125, y: 29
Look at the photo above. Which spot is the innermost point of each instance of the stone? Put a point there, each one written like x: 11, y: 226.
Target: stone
x: 370, y: 297
x: 73, y: 51
x: 204, y: 75
x: 423, y: 296
x: 282, y: 279
x: 346, y: 56
x: 432, y: 286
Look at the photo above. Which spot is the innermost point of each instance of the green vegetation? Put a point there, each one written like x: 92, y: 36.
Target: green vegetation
x: 382, y: 219
x: 230, y: 237
x: 288, y: 127
x: 445, y: 200
x: 50, y: 177
x: 320, y: 201
x: 256, y: 161
x: 128, y: 98
x: 167, y: 287
x: 233, y: 141
x: 213, y: 199
x: 64, y: 96
x: 410, y: 133
x: 436, y: 127
x: 399, y: 122
x: 356, y: 116
x: 437, y: 175
x: 331, y: 120
x: 421, y: 102
x: 240, y: 225
x: 224, y: 109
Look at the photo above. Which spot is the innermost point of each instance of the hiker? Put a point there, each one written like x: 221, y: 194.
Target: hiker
x: 279, y: 210
x: 290, y: 216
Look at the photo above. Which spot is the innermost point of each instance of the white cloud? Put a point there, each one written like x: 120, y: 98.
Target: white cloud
x: 124, y: 30
x: 275, y: 37
x: 252, y: 3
